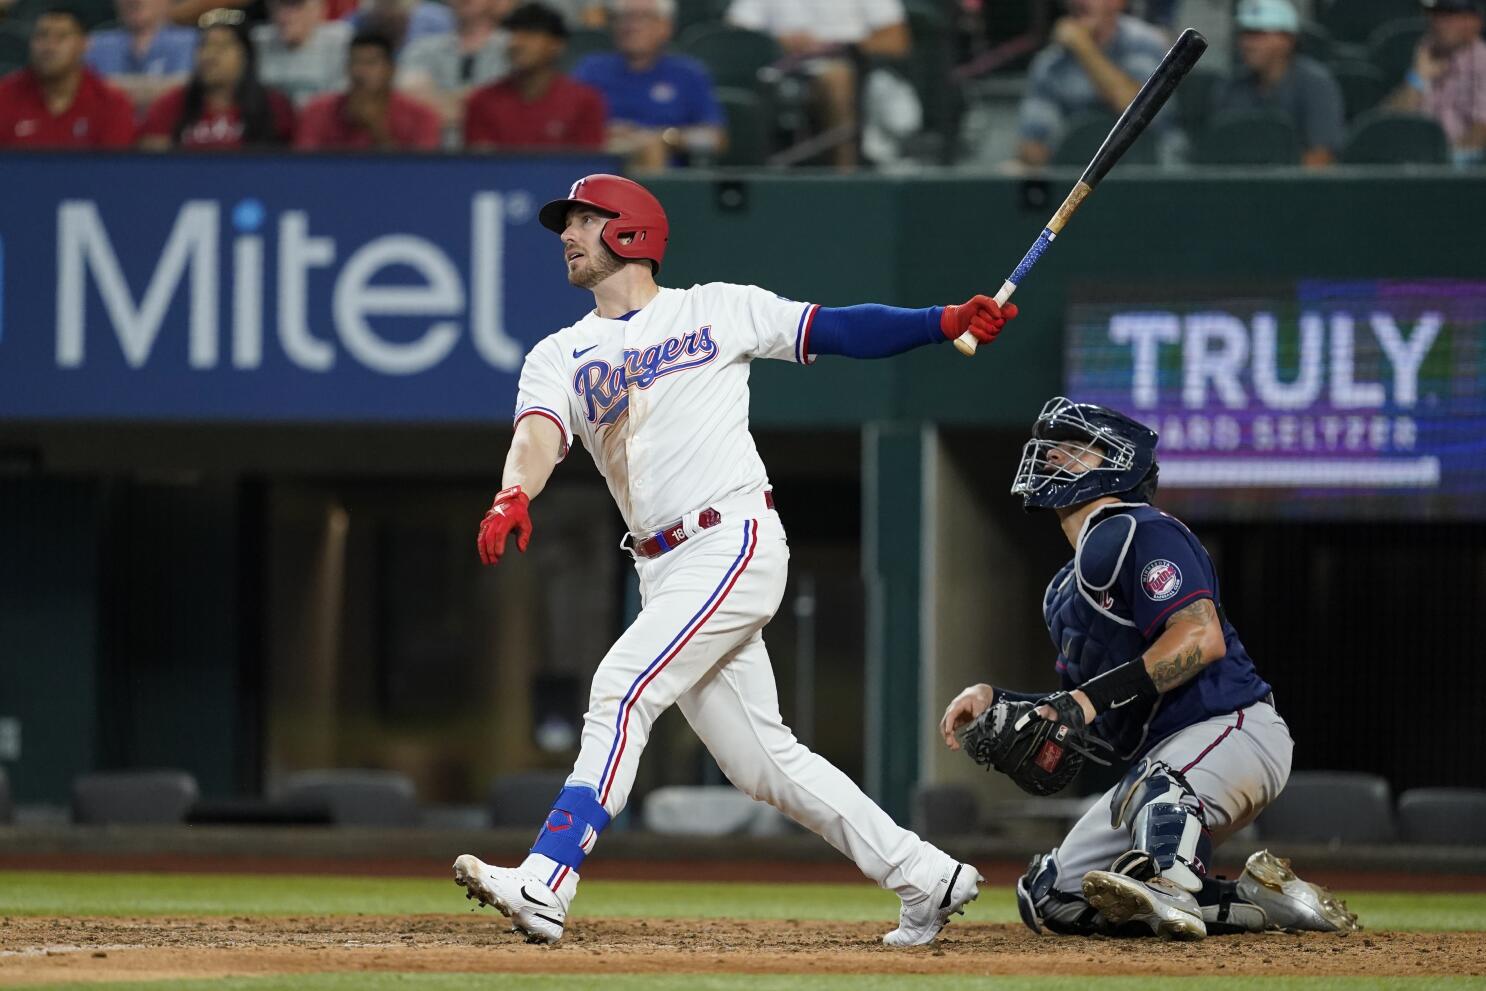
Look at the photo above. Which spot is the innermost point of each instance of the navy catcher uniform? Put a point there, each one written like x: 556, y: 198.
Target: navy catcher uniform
x: 1151, y: 665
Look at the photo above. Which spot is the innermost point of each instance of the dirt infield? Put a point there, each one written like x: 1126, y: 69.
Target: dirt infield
x: 87, y: 949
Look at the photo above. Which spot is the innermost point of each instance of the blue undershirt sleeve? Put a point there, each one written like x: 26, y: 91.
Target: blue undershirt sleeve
x: 872, y: 330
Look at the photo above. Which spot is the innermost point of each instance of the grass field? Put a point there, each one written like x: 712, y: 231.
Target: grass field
x: 263, y: 933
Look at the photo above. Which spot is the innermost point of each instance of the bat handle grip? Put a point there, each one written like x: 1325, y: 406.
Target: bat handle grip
x: 966, y: 342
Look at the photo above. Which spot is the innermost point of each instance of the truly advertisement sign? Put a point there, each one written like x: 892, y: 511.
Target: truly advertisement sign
x: 1324, y: 396
x: 284, y: 289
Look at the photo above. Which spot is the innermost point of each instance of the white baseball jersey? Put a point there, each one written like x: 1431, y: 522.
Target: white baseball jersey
x: 661, y: 400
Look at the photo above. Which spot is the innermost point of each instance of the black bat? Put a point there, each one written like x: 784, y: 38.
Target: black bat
x: 1141, y: 111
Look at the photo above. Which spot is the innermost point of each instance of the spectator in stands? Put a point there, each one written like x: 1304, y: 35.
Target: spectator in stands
x: 224, y: 106
x: 442, y: 69
x: 404, y: 21
x: 821, y: 34
x: 1097, y: 61
x: 58, y: 102
x: 536, y: 105
x: 146, y: 54
x: 369, y: 114
x: 1448, y: 80
x: 661, y: 105
x: 300, y: 53
x: 1273, y: 77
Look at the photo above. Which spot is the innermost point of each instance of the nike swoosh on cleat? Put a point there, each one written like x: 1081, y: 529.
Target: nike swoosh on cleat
x: 534, y: 901
x: 950, y: 889
x: 548, y: 918
x: 579, y: 354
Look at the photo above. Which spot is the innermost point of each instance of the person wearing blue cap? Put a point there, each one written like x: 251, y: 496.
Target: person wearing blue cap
x: 1271, y: 76
x: 1448, y: 78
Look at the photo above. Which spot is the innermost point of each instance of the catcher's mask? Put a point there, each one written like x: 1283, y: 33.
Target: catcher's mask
x: 1126, y: 461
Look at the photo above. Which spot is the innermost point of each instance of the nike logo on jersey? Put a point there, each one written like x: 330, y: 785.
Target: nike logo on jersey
x: 579, y: 354
x: 604, y: 386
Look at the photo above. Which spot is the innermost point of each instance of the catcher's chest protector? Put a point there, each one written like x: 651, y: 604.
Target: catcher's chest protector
x: 1090, y: 627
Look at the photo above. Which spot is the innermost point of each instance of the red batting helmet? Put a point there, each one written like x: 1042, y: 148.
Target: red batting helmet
x: 635, y: 209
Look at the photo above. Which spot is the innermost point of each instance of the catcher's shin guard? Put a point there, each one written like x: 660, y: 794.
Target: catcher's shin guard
x: 1042, y: 906
x: 1168, y: 834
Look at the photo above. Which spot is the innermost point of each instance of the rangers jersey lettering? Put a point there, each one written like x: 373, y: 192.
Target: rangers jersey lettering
x: 660, y: 399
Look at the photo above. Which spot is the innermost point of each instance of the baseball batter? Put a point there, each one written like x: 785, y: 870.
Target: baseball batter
x: 654, y: 383
x: 1151, y: 666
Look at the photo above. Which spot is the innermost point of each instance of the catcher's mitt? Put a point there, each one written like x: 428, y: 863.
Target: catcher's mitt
x: 1040, y: 755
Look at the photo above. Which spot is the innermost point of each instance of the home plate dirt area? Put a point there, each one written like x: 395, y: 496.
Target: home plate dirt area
x: 45, y: 950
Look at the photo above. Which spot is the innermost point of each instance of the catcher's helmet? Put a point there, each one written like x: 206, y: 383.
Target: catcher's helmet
x: 1127, y: 448
x: 634, y: 208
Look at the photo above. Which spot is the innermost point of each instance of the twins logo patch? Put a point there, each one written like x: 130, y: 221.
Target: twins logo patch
x: 1161, y: 580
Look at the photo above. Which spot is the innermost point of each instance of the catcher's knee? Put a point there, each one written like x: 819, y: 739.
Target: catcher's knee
x: 1043, y: 906
x: 1168, y: 833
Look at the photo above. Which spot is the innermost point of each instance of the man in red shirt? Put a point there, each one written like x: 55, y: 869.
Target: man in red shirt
x: 535, y: 105
x: 369, y: 114
x: 56, y: 101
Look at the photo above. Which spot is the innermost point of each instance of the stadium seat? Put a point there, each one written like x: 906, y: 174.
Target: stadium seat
x: 1194, y: 100
x: 928, y: 65
x: 355, y: 797
x: 1361, y: 84
x: 945, y: 810
x: 748, y: 127
x: 1391, y: 47
x: 1315, y: 42
x: 133, y: 797
x: 1454, y: 816
x: 7, y: 809
x: 1248, y: 137
x: 690, y: 13
x: 1352, y: 21
x: 522, y: 800
x: 1086, y: 132
x: 1382, y: 137
x: 585, y: 41
x: 710, y: 810
x: 735, y: 56
x: 1335, y: 807
x: 15, y: 46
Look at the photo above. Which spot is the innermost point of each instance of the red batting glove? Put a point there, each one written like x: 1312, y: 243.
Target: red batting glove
x: 507, y: 513
x: 982, y: 316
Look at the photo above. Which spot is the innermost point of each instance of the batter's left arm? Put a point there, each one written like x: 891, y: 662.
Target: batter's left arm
x: 871, y: 330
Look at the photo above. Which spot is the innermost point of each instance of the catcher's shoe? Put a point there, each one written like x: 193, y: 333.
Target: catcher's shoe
x: 1167, y: 908
x: 1290, y: 903
x: 920, y: 921
x: 535, y: 910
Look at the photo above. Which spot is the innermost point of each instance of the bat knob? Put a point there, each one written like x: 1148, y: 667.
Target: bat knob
x: 965, y: 344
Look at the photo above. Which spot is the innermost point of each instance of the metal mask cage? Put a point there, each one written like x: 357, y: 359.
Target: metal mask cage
x: 1062, y: 422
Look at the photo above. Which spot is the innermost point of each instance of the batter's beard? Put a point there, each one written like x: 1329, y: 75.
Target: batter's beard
x: 599, y: 268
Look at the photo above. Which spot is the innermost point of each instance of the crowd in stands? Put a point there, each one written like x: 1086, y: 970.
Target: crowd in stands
x: 666, y: 83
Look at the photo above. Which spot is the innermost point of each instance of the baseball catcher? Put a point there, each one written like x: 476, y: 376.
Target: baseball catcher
x: 1153, y: 674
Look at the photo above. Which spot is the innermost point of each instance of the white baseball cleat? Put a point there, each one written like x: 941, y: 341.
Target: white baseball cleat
x: 920, y: 921
x: 1167, y: 908
x: 1290, y: 903
x: 535, y: 910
